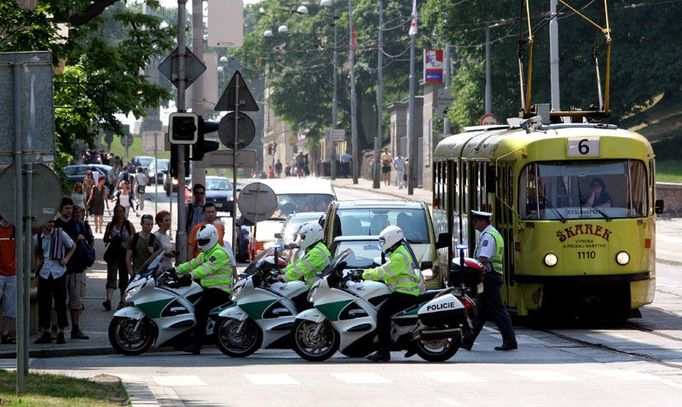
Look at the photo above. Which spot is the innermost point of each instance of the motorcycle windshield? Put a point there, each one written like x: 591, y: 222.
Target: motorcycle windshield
x: 151, y: 265
x: 258, y: 261
x: 341, y: 257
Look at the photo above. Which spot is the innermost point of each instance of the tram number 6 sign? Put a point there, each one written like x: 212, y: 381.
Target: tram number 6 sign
x: 583, y: 147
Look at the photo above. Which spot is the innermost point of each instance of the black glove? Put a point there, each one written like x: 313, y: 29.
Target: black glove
x: 184, y: 280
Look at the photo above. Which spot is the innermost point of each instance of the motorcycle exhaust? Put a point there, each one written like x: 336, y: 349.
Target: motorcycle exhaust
x: 430, y: 334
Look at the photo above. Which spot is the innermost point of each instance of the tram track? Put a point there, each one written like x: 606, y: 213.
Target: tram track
x: 615, y: 350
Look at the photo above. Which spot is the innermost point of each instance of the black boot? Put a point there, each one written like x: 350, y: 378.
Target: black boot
x: 507, y: 346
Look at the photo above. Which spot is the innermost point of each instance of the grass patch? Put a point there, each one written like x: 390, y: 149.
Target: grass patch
x: 136, y: 149
x: 669, y: 171
x: 56, y: 390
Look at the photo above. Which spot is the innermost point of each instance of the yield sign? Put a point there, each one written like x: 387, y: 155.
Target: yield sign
x: 228, y: 100
x: 193, y: 67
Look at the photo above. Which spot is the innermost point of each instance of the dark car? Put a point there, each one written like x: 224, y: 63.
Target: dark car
x: 76, y: 173
x: 219, y: 191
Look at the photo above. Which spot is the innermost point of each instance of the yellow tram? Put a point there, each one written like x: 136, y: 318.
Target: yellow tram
x: 567, y: 245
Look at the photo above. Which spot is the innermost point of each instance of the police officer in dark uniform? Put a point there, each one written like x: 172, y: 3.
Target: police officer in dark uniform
x: 490, y: 252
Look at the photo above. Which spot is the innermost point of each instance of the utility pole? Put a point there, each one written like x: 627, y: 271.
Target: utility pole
x: 334, y: 92
x: 197, y: 102
x: 181, y: 237
x: 488, y: 74
x: 353, y: 97
x: 554, y: 57
x: 448, y: 76
x: 376, y: 180
x: 411, y: 136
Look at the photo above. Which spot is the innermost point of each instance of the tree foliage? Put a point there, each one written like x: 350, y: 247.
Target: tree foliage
x: 299, y: 63
x: 642, y: 53
x: 105, y: 52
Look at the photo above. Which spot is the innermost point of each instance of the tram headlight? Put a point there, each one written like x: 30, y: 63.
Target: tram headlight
x: 622, y: 258
x: 551, y: 259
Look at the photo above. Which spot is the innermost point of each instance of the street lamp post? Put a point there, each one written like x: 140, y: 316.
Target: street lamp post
x: 376, y: 181
x: 353, y: 96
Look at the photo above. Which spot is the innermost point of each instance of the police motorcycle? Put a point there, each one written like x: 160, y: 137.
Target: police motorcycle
x: 161, y: 310
x: 263, y: 309
x: 344, y: 318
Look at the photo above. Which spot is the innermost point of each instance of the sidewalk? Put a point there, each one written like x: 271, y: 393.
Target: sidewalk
x: 668, y: 230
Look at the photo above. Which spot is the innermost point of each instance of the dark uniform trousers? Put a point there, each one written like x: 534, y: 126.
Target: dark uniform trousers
x: 491, y: 308
x: 211, y: 298
x: 395, y: 303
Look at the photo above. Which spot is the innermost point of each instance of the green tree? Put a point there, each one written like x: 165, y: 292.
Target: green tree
x: 105, y: 52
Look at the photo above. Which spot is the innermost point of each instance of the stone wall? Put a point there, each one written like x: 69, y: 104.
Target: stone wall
x: 671, y: 194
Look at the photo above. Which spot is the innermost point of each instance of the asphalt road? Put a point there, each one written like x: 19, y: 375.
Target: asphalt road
x: 633, y: 365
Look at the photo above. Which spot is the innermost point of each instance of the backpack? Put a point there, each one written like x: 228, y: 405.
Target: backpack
x: 136, y: 238
x: 84, y: 256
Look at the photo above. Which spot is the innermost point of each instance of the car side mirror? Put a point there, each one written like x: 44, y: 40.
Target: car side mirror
x: 443, y: 241
x: 278, y: 235
x: 426, y: 265
x: 658, y: 206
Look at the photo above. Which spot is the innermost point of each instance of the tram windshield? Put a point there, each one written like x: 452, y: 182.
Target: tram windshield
x: 583, y: 189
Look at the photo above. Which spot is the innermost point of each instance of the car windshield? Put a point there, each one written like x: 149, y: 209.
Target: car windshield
x: 218, y: 185
x: 363, y: 252
x: 292, y: 225
x: 162, y: 165
x: 583, y: 189
x: 290, y: 203
x: 366, y: 222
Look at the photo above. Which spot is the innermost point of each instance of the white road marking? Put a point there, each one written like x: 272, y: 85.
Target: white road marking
x: 544, y: 375
x: 179, y: 381
x: 361, y: 378
x: 271, y: 379
x: 449, y: 402
x: 624, y: 374
x: 452, y: 377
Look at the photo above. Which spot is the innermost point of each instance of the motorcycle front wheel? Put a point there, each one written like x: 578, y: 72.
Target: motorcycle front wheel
x: 313, y: 342
x: 235, y: 342
x: 128, y: 340
x: 438, y: 350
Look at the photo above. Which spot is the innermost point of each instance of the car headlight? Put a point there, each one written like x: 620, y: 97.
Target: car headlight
x: 551, y: 259
x: 175, y: 181
x: 311, y: 294
x: 622, y: 258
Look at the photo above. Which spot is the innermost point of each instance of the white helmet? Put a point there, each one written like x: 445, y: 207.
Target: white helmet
x: 309, y: 233
x: 389, y: 237
x: 207, y: 237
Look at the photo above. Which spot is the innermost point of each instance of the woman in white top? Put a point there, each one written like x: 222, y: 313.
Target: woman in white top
x: 124, y: 198
x: 163, y: 220
x: 78, y: 195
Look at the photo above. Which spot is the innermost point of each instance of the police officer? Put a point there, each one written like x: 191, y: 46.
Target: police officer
x: 315, y: 258
x: 213, y: 267
x: 398, y: 275
x: 490, y: 252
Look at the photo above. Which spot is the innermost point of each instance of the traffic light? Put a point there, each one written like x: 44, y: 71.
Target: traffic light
x: 182, y: 128
x: 270, y: 149
x: 174, y: 161
x: 203, y: 146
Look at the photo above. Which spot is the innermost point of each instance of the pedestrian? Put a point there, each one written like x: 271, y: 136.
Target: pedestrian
x: 141, y: 181
x: 75, y: 270
x: 53, y: 249
x: 210, y: 213
x: 399, y: 165
x: 98, y: 199
x: 112, y: 178
x: 278, y: 168
x: 386, y: 162
x: 116, y: 237
x: 8, y: 280
x: 163, y: 221
x: 398, y: 275
x: 125, y: 198
x: 490, y: 252
x: 78, y: 195
x: 214, y: 269
x: 195, y: 209
x: 79, y: 215
x: 88, y: 183
x: 141, y: 246
x: 271, y: 172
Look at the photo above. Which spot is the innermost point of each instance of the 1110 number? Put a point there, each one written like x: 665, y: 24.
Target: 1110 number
x: 587, y: 255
